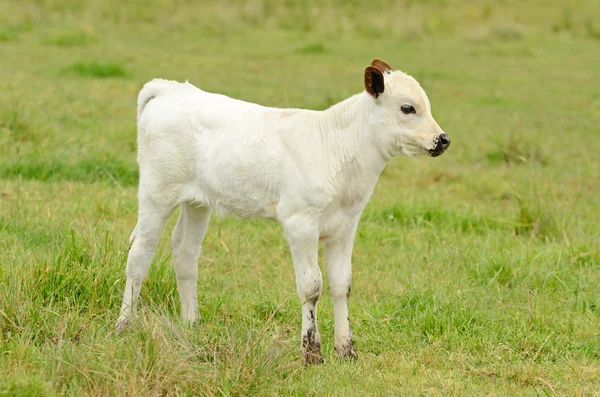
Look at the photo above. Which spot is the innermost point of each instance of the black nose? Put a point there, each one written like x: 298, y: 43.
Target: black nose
x: 445, y: 140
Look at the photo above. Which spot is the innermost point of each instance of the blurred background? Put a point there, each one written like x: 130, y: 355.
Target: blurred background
x: 475, y: 272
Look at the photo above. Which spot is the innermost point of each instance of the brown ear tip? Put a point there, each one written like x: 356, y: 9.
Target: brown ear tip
x: 381, y: 65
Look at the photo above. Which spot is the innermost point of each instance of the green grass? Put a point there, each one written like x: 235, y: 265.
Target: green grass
x: 475, y: 273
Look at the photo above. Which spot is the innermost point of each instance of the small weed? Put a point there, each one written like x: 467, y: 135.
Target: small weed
x: 317, y: 48
x: 11, y: 32
x: 16, y: 123
x: 507, y: 31
x: 535, y: 220
x: 71, y: 39
x: 99, y: 69
x: 517, y: 151
x: 591, y: 29
x: 7, y: 36
x: 565, y: 23
x: 499, y: 270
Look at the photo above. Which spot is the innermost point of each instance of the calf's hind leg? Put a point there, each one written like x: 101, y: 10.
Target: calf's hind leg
x: 186, y: 241
x: 145, y: 237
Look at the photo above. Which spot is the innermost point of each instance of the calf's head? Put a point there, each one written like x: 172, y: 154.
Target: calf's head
x: 401, y: 113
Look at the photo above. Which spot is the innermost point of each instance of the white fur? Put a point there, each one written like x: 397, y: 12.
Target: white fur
x: 311, y: 171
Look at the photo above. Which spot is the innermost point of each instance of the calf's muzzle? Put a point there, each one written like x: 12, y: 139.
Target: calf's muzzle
x: 442, y: 143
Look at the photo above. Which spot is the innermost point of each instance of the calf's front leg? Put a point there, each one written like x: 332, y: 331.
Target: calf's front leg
x: 338, y: 255
x: 303, y: 236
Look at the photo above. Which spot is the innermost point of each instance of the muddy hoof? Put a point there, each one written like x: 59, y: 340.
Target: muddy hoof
x: 347, y: 352
x: 311, y: 347
x: 311, y: 358
x: 349, y: 356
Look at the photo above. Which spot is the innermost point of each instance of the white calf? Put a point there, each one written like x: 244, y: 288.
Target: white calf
x: 311, y: 171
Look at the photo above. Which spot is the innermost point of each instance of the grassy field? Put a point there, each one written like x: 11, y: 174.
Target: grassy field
x: 475, y: 273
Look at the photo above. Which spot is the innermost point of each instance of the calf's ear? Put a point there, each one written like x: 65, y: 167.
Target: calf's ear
x: 381, y: 65
x: 374, y: 81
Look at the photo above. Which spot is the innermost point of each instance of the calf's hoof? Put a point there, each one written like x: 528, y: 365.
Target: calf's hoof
x: 313, y: 357
x: 121, y: 325
x: 311, y: 348
x: 191, y: 321
x: 346, y: 351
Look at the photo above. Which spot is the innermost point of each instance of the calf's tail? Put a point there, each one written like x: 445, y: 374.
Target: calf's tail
x: 150, y: 91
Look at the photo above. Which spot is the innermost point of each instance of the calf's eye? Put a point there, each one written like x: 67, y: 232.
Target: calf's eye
x: 408, y: 109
